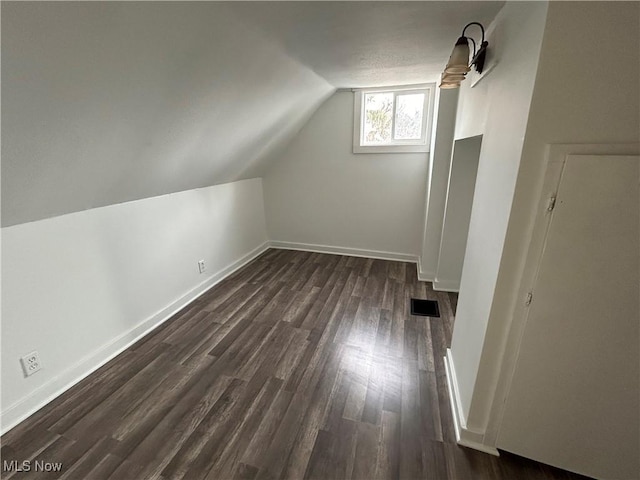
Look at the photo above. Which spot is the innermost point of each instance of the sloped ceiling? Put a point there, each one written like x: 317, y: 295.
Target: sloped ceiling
x: 107, y: 102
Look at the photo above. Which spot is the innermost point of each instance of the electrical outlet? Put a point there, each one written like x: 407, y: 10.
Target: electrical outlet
x: 201, y: 267
x: 30, y: 363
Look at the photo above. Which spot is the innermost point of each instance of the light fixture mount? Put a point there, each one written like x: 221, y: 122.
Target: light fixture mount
x: 478, y: 57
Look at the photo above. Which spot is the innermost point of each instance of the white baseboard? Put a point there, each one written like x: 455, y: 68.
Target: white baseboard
x: 464, y: 436
x: 34, y: 401
x: 423, y: 275
x: 352, y: 252
x: 446, y: 286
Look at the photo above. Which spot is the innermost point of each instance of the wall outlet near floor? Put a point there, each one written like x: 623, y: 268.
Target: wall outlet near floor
x: 201, y: 267
x: 30, y: 363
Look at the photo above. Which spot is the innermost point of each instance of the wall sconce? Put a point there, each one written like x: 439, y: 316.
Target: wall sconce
x: 458, y: 66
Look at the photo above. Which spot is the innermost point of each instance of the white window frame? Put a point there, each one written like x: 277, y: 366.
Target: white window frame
x: 394, y: 146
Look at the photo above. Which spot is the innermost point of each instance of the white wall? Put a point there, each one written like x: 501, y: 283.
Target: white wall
x: 499, y: 105
x: 119, y: 101
x: 320, y: 193
x: 77, y: 288
x: 575, y: 101
x: 455, y: 229
x: 439, y: 165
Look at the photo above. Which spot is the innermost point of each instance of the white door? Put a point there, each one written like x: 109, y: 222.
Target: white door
x: 574, y: 398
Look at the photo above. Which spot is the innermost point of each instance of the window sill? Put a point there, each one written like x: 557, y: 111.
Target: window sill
x: 390, y: 149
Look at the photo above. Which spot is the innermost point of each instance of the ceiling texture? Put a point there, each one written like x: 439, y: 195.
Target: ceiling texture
x: 108, y: 102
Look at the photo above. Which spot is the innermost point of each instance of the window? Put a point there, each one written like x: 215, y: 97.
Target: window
x: 388, y: 120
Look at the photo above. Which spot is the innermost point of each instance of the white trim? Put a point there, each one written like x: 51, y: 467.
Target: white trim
x: 454, y: 394
x: 34, y: 401
x: 424, y: 276
x: 391, y: 148
x: 446, y: 285
x: 388, y: 88
x: 464, y: 436
x: 351, y: 252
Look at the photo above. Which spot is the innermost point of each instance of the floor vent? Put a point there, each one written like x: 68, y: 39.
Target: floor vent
x: 425, y: 308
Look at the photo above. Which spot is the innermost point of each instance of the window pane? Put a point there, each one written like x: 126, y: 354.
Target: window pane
x: 378, y: 118
x: 409, y: 116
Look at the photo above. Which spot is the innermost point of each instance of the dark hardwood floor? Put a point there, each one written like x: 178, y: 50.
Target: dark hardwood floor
x: 300, y: 365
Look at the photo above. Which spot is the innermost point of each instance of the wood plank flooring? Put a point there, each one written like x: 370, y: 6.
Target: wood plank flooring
x: 300, y: 365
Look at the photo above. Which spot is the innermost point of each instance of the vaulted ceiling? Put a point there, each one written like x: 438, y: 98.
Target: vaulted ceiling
x: 108, y: 102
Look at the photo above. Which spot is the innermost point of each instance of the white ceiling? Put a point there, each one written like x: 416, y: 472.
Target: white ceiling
x: 356, y: 44
x: 107, y: 102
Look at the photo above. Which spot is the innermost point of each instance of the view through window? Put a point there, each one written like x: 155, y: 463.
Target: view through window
x: 387, y: 118
x: 392, y: 118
